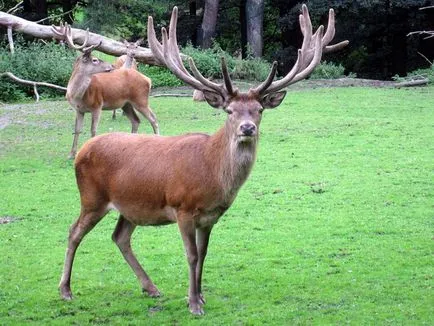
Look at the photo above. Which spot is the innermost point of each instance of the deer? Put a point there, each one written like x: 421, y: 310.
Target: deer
x: 95, y: 85
x: 127, y: 60
x: 190, y: 179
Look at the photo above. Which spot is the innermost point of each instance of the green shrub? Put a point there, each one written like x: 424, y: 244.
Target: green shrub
x: 208, y: 62
x: 418, y: 73
x: 329, y: 70
x: 36, y: 61
x: 160, y: 76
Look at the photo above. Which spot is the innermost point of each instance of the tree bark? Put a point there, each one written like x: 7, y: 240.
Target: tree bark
x: 107, y: 45
x: 255, y: 19
x: 243, y: 24
x: 209, y: 22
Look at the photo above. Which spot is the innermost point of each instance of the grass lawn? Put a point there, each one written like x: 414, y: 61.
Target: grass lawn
x: 334, y: 225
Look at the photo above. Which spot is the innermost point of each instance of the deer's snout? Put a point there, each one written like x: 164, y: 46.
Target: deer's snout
x: 247, y: 128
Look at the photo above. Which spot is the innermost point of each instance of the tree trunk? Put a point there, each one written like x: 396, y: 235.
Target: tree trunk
x: 255, y: 19
x: 243, y: 24
x: 209, y: 22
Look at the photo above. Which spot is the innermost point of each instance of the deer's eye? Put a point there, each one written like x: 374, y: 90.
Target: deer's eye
x: 229, y: 111
x: 95, y: 61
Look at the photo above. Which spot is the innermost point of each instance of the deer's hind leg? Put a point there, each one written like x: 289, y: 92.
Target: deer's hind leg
x: 86, y: 221
x: 143, y: 108
x: 122, y: 237
x: 132, y: 116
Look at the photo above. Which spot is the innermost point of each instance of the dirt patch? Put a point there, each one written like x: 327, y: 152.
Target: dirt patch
x: 8, y: 219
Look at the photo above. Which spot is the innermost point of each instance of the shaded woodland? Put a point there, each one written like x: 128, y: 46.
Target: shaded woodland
x: 377, y: 30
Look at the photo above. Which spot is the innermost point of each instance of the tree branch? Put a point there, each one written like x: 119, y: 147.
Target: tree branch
x: 108, y: 46
x: 31, y: 83
x: 11, y: 40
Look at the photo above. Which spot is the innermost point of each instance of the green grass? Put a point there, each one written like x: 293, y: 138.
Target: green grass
x: 334, y: 226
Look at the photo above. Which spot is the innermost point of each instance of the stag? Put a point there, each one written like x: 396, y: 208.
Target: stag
x: 95, y: 86
x: 190, y: 179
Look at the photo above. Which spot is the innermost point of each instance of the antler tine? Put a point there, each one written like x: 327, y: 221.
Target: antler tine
x: 226, y: 77
x: 314, y: 62
x: 167, y: 52
x: 309, y: 56
x: 70, y: 40
x: 264, y: 85
x: 154, y: 44
x: 173, y: 65
x: 90, y: 48
x: 59, y: 30
x: 330, y: 33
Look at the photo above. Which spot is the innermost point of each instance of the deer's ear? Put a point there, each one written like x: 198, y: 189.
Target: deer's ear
x: 214, y: 99
x: 272, y: 100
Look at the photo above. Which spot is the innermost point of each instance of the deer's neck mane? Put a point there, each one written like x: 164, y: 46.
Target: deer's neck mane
x: 78, y: 85
x: 234, y: 160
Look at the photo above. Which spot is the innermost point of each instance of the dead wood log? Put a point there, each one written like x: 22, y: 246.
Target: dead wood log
x: 108, y: 46
x: 411, y: 83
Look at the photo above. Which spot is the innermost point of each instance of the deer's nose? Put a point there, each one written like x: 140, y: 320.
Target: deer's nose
x: 248, y: 129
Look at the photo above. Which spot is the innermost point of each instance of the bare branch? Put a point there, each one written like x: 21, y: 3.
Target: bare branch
x: 429, y: 7
x: 32, y: 83
x: 15, y: 8
x: 430, y: 63
x: 11, y: 40
x: 54, y: 16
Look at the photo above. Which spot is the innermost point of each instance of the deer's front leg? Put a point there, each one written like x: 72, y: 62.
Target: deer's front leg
x: 78, y: 126
x: 96, y: 115
x: 188, y: 233
x: 202, y: 241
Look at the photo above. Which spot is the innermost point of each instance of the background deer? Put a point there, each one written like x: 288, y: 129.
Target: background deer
x: 94, y: 86
x: 191, y: 179
x: 127, y: 61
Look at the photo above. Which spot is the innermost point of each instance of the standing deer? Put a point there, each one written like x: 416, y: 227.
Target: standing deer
x: 127, y: 61
x: 191, y: 179
x: 94, y: 86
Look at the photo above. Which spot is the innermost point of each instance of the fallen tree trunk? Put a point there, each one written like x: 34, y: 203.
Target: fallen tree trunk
x: 410, y: 83
x: 108, y: 46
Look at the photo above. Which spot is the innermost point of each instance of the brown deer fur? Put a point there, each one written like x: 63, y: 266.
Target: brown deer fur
x: 123, y: 60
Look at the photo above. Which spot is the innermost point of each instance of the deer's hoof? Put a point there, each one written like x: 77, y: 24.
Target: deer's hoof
x: 196, y: 310
x: 66, y: 294
x: 152, y: 292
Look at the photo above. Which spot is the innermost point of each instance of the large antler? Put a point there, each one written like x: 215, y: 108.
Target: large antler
x: 309, y: 56
x: 168, y: 54
x: 64, y: 31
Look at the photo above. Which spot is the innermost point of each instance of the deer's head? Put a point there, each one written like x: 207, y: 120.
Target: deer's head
x: 84, y: 62
x: 245, y: 109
